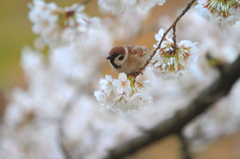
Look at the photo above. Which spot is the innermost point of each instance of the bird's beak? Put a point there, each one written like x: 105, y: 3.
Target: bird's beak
x: 109, y: 57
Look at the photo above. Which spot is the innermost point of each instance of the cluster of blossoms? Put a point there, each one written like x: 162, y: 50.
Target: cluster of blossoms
x: 220, y: 11
x: 58, y: 26
x: 123, y: 93
x: 116, y: 6
x: 171, y: 62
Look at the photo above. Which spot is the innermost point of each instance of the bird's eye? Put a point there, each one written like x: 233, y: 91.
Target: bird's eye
x: 121, y: 58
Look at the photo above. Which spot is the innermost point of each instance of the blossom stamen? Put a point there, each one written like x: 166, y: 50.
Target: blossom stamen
x: 171, y: 61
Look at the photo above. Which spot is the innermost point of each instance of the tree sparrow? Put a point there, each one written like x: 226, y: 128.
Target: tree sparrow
x: 128, y: 58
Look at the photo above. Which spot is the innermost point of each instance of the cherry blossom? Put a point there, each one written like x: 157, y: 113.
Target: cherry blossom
x: 219, y: 11
x: 118, y: 7
x: 169, y: 64
x: 59, y: 26
x: 123, y: 93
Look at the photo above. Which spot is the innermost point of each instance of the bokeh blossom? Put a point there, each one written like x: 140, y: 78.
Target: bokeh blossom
x: 220, y: 11
x: 118, y: 7
x: 123, y: 93
x: 59, y: 26
x: 170, y: 62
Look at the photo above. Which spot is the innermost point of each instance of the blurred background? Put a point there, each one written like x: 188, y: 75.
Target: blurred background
x: 15, y: 33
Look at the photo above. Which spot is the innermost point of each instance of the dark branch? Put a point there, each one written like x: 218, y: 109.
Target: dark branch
x: 206, y: 98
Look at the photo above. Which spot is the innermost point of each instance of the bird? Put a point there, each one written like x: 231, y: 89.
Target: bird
x: 128, y: 58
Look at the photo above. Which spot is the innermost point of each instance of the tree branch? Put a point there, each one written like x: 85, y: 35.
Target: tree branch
x: 218, y: 89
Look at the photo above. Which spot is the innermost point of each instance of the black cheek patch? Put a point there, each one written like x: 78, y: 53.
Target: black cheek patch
x: 114, y: 64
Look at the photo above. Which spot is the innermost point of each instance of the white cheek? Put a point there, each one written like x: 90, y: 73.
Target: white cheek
x: 126, y: 56
x: 119, y: 62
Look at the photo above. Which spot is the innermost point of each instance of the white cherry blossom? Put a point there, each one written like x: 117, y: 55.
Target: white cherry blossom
x: 106, y: 84
x: 59, y: 26
x: 119, y: 6
x: 122, y: 84
x: 169, y: 64
x: 123, y: 93
x: 219, y: 11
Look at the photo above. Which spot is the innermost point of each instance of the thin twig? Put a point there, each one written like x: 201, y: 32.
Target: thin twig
x: 3, y: 104
x: 64, y: 144
x: 174, y: 39
x: 186, y: 154
x: 164, y: 35
x: 84, y: 2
